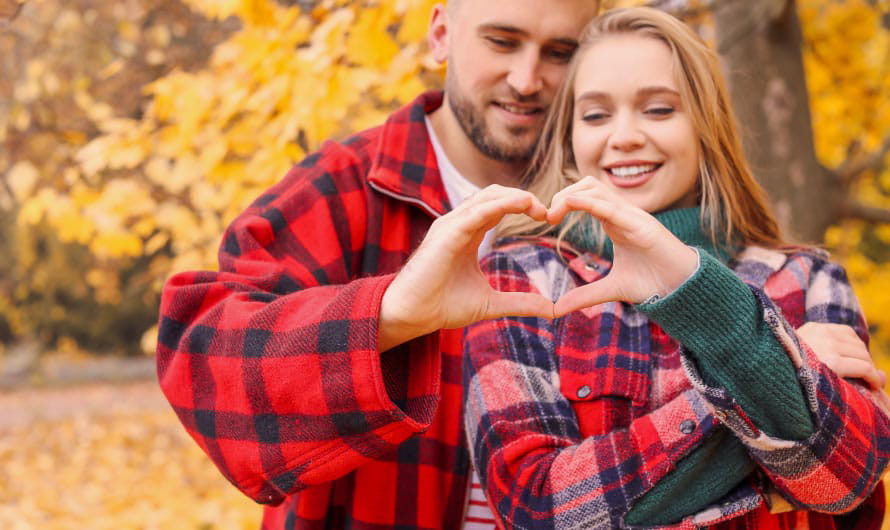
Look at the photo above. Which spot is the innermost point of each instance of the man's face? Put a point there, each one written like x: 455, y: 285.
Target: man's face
x: 506, y: 60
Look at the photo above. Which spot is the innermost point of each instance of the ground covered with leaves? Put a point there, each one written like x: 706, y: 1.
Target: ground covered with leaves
x: 108, y: 457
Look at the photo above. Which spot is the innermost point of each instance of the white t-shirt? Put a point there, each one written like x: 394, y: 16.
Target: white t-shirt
x: 458, y: 188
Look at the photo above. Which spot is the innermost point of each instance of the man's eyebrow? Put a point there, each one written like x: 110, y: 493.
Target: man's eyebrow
x: 504, y: 28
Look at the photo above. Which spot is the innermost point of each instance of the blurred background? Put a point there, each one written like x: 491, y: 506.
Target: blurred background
x: 133, y: 131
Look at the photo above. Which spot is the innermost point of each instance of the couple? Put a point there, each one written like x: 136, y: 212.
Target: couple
x: 322, y: 368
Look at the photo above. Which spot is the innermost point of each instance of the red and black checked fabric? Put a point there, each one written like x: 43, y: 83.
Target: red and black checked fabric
x: 272, y: 364
x: 572, y: 420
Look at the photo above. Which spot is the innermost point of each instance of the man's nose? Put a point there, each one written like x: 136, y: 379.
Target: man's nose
x: 525, y: 74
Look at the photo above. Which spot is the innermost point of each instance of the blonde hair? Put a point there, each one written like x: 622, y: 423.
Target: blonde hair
x: 735, y: 209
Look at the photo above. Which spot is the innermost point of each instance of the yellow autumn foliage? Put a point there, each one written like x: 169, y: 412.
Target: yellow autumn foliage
x: 160, y: 187
x: 847, y: 55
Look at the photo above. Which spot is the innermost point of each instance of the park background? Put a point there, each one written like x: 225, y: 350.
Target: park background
x: 133, y: 131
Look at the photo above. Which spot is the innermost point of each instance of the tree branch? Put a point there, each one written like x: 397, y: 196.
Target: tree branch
x: 873, y: 214
x: 856, y: 165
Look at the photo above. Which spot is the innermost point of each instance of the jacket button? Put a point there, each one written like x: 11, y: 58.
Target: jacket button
x: 584, y: 391
x: 592, y: 266
x: 687, y: 426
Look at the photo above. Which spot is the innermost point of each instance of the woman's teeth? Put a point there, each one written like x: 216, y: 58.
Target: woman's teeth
x: 632, y: 171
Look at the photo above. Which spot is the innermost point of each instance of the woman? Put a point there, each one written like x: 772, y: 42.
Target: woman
x: 671, y: 388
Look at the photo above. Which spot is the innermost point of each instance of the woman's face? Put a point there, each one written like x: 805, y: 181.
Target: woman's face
x: 630, y: 129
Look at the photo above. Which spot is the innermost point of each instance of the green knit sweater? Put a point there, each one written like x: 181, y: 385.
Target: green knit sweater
x: 718, y: 320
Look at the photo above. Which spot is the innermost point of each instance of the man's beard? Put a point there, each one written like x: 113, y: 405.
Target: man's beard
x: 473, y: 124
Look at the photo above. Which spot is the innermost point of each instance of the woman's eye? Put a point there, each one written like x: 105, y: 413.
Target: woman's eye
x: 594, y: 116
x: 660, y: 111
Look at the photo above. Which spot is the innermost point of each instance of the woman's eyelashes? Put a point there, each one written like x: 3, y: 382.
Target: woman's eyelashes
x: 660, y: 111
x: 655, y: 111
x: 594, y: 116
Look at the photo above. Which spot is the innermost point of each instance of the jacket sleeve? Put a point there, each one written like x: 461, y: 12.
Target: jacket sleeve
x: 272, y: 363
x: 537, y: 469
x: 841, y: 459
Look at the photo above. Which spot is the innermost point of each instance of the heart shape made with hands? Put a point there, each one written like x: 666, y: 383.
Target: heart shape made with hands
x: 648, y: 258
x: 442, y: 285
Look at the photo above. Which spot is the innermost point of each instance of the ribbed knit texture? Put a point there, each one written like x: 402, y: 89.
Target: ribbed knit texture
x: 696, y: 482
x: 718, y: 319
x: 685, y: 223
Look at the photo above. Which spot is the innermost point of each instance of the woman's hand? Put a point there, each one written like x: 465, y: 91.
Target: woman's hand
x: 649, y: 259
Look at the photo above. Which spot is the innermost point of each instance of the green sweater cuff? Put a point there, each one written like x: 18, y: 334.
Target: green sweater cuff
x: 720, y: 322
x: 700, y: 479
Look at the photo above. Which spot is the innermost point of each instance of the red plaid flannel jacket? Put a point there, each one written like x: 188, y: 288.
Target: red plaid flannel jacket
x: 272, y: 364
x: 572, y: 420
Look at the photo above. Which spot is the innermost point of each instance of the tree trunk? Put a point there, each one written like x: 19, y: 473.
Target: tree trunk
x: 760, y: 44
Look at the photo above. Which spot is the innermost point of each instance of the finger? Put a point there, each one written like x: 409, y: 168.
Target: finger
x: 503, y: 304
x: 586, y: 296
x: 606, y: 210
x: 558, y: 208
x: 882, y: 400
x: 485, y: 215
x: 858, y: 369
x: 496, y: 192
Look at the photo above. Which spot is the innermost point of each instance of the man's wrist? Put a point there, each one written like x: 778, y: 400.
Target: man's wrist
x: 393, y: 327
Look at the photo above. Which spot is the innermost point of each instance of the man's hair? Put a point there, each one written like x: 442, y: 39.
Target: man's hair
x: 734, y: 205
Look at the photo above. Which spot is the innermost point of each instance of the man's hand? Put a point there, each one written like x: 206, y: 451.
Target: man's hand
x: 442, y: 286
x: 839, y: 347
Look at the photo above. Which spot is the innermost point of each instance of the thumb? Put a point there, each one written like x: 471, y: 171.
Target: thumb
x: 586, y: 296
x: 503, y: 304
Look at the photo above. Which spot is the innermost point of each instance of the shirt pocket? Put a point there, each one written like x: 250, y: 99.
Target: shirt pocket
x: 606, y: 387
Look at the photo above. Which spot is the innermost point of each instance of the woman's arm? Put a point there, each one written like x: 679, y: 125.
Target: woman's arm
x: 833, y: 463
x: 525, y: 439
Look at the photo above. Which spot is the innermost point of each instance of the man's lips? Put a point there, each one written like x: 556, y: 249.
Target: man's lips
x: 519, y: 114
x: 523, y: 109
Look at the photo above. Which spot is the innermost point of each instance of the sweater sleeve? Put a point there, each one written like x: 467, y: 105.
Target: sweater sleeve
x: 719, y: 321
x: 837, y: 457
x: 272, y: 363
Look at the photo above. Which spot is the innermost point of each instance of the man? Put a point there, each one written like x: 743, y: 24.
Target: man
x: 308, y: 370
x: 320, y: 369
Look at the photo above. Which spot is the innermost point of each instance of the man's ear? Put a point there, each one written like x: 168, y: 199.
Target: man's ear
x: 438, y: 35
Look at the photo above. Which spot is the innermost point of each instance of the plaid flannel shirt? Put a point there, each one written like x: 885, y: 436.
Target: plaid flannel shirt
x: 571, y: 421
x: 272, y: 363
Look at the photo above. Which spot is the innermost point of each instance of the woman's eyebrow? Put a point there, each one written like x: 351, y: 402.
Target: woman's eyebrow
x: 658, y: 89
x: 595, y: 95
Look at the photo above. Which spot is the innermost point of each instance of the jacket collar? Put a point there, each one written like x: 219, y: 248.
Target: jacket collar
x: 404, y: 166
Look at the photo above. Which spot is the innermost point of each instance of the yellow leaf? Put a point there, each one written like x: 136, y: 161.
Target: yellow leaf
x: 369, y: 43
x: 21, y: 179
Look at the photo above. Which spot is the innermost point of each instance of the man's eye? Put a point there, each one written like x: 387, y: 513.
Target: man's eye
x: 504, y: 44
x: 561, y: 56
